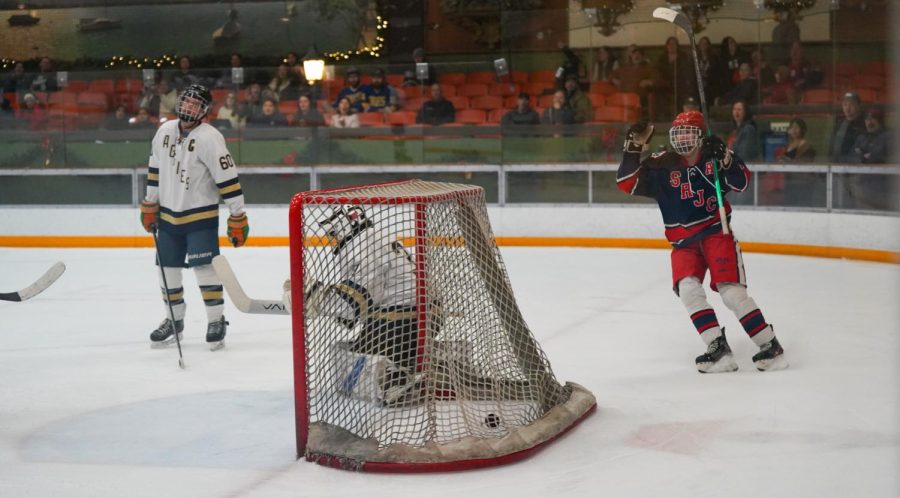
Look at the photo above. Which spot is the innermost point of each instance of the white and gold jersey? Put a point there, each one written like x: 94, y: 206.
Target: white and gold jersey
x: 188, y: 173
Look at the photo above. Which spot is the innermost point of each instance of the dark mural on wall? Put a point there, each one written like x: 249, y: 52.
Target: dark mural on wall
x: 254, y: 29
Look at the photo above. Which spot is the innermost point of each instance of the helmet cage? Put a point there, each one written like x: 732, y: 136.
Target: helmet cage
x: 345, y: 223
x: 193, y: 104
x: 685, y: 138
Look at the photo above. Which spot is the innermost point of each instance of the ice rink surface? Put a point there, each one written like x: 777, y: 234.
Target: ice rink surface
x: 87, y: 409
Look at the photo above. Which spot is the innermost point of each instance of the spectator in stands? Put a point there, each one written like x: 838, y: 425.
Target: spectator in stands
x: 676, y: 80
x: 730, y: 59
x: 803, y: 73
x: 782, y: 92
x: 707, y: 61
x: 268, y: 117
x: 438, y: 110
x: 142, y: 120
x: 18, y: 81
x: 784, y: 35
x: 168, y: 98
x: 523, y: 114
x: 582, y: 110
x: 252, y: 105
x: 283, y: 86
x: 798, y: 149
x: 32, y: 115
x: 229, y: 112
x: 45, y: 79
x: 297, y: 73
x: 638, y: 76
x: 307, y: 115
x: 559, y: 113
x: 118, y: 120
x: 353, y: 91
x: 847, y: 128
x: 225, y: 79
x: 872, y: 147
x: 570, y: 66
x: 744, y: 139
x: 418, y: 56
x: 379, y: 95
x: 344, y: 117
x: 185, y: 76
x: 409, y: 78
x: 761, y: 69
x: 747, y: 88
x: 605, y: 64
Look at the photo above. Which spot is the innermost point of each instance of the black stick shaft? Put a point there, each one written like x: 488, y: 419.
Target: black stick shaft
x: 162, y: 272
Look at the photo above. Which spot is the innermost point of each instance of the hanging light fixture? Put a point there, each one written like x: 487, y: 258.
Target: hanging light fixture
x: 698, y: 11
x: 605, y: 13
x: 313, y: 65
x: 792, y: 6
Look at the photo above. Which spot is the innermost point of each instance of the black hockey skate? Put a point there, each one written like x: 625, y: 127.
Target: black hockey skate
x: 770, y: 357
x: 400, y: 388
x: 718, y: 357
x: 164, y: 335
x: 215, y: 334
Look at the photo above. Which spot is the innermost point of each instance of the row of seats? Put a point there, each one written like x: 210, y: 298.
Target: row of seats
x: 616, y: 114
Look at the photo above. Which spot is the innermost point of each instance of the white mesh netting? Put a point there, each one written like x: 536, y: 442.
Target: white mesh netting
x: 415, y: 348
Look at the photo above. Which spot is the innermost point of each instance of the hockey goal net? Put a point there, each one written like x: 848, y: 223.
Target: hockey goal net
x: 410, y: 352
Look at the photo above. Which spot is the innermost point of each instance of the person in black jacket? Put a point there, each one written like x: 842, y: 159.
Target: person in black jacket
x: 847, y: 128
x: 438, y: 110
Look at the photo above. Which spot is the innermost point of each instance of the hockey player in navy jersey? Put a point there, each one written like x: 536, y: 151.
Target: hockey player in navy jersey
x: 683, y: 184
x: 190, y: 169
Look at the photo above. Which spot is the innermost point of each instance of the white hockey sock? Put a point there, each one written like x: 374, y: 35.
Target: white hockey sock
x: 176, y: 292
x: 690, y: 290
x: 745, y: 309
x: 211, y: 289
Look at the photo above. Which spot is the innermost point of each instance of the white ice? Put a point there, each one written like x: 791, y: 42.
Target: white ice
x: 87, y: 409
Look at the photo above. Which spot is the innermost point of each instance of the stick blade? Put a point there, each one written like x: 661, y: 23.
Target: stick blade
x: 41, y: 284
x: 674, y: 17
x: 241, y: 300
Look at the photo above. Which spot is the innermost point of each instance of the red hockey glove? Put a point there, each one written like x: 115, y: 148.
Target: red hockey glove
x: 238, y: 229
x: 149, y: 215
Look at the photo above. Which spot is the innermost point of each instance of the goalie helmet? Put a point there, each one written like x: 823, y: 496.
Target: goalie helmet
x: 193, y: 104
x: 687, y: 128
x: 344, y: 223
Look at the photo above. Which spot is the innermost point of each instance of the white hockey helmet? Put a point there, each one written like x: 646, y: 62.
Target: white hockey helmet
x: 193, y: 104
x: 687, y: 128
x: 344, y: 223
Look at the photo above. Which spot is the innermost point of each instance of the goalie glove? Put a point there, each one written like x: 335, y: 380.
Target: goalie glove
x: 713, y: 147
x: 638, y: 137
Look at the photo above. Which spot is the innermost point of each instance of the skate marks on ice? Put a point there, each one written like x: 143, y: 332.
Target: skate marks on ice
x: 223, y: 429
x: 736, y: 438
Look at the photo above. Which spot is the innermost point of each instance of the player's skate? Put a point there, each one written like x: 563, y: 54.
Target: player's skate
x: 718, y: 357
x: 164, y: 335
x: 215, y: 334
x: 770, y: 357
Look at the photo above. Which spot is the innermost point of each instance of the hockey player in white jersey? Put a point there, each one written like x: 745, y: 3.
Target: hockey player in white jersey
x: 373, y: 286
x: 190, y: 169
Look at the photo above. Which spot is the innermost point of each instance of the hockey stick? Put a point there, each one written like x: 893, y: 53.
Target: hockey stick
x: 240, y: 298
x: 680, y: 20
x: 38, y: 286
x: 162, y: 272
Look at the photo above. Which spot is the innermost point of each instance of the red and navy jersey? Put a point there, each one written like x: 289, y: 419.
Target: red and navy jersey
x: 686, y: 193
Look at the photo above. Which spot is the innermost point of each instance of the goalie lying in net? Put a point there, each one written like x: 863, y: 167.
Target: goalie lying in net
x: 370, y: 282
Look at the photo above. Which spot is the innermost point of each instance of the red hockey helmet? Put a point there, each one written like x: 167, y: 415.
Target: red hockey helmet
x: 687, y: 128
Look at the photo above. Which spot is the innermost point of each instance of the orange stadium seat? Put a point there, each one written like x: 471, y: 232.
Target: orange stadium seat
x: 410, y: 92
x: 482, y: 77
x: 106, y: 86
x: 395, y: 80
x: 496, y: 115
x: 486, y: 102
x: 371, y: 118
x: 400, y: 118
x: 603, y: 87
x: 597, y: 99
x: 545, y: 101
x: 64, y: 101
x: 446, y: 90
x: 471, y: 116
x: 472, y: 90
x: 513, y: 100
x: 219, y: 94
x: 288, y: 107
x: 129, y: 86
x: 77, y: 86
x: 455, y: 79
x: 876, y: 68
x: 545, y: 76
x: 414, y: 104
x: 868, y: 80
x: 459, y: 102
x: 520, y: 77
x: 537, y: 88
x: 818, y: 96
x: 868, y: 95
x: 503, y: 89
x: 615, y: 114
x: 624, y: 99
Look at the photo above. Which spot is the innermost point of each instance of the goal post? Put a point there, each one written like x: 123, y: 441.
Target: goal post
x: 410, y: 352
